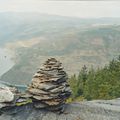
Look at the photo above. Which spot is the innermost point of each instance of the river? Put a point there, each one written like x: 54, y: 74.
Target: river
x: 5, y: 61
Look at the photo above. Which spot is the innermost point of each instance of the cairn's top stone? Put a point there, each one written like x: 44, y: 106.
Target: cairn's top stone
x: 49, y: 85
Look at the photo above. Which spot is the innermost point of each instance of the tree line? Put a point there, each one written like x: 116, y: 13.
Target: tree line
x: 100, y: 83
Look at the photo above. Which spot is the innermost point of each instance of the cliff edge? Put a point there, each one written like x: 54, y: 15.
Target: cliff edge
x: 89, y: 110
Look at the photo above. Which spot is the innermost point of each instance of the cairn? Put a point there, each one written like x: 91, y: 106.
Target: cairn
x: 49, y: 88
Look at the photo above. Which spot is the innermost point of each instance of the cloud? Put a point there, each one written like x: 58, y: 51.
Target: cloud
x: 65, y: 8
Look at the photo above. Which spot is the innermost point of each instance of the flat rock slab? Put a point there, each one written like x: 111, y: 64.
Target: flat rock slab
x: 92, y: 110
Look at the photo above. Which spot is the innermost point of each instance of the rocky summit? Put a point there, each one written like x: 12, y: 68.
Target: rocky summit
x: 89, y: 110
x: 49, y: 88
x: 47, y: 93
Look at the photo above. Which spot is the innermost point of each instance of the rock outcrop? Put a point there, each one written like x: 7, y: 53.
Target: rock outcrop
x: 89, y: 110
x: 47, y: 93
x: 7, y: 96
x: 49, y: 88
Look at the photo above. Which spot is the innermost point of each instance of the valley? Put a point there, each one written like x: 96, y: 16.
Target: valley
x: 34, y: 37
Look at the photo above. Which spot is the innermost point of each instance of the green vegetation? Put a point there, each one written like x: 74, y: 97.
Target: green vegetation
x: 24, y: 102
x: 102, y: 83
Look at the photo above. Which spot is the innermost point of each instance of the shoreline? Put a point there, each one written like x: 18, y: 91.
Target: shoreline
x: 6, y: 60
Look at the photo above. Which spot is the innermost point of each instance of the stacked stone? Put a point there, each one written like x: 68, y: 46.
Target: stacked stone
x: 49, y: 87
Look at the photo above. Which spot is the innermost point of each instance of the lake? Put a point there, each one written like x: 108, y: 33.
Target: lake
x: 5, y: 61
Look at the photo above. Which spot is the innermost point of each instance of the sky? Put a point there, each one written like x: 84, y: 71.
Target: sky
x: 84, y: 9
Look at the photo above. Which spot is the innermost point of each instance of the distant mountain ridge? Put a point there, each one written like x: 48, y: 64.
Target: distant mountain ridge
x: 20, y: 26
x: 74, y: 41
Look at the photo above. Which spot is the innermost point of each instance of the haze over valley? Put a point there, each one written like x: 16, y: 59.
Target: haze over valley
x: 31, y: 38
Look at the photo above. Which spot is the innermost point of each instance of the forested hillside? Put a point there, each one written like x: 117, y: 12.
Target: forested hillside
x: 97, y: 84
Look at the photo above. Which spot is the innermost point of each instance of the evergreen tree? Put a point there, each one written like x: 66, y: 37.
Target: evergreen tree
x: 101, y: 83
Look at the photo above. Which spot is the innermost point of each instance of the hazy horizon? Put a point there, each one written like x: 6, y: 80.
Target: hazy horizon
x: 81, y: 9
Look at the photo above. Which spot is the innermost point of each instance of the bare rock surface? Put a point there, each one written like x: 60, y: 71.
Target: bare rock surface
x: 6, y: 95
x: 89, y: 110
